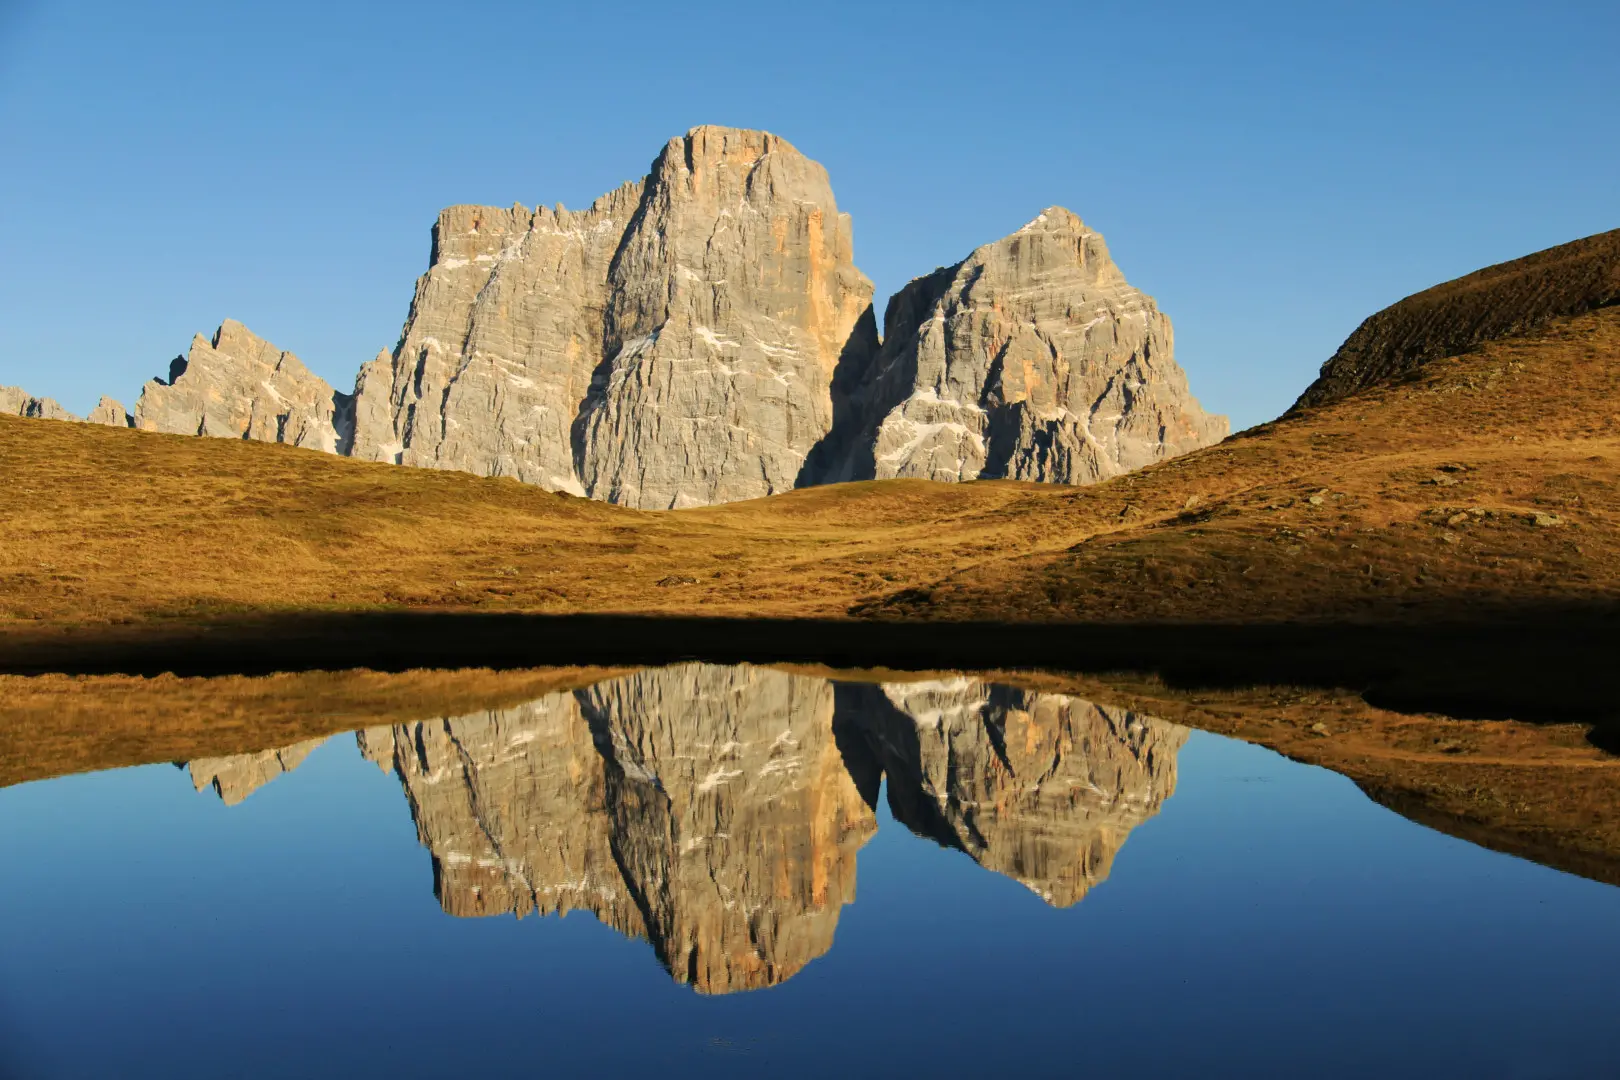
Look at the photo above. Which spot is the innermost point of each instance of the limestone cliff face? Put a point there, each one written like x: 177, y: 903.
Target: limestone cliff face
x: 504, y: 333
x: 704, y: 808
x: 236, y: 777
x: 1043, y: 788
x: 239, y: 386
x: 702, y: 336
x: 15, y: 401
x: 111, y: 412
x: 1032, y: 359
x: 731, y: 302
x: 673, y: 345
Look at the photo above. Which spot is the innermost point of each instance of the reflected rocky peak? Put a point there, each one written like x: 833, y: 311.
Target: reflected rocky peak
x: 1043, y: 788
x: 717, y: 811
x: 237, y: 776
x: 704, y: 808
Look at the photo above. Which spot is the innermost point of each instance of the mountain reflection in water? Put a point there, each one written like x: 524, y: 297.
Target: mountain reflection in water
x: 717, y: 811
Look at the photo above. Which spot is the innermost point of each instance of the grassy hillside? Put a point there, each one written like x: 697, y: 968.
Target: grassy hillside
x: 1473, y: 464
x: 1489, y: 478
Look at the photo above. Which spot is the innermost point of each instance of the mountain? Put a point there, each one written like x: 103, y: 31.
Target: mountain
x: 672, y: 345
x: 703, y: 336
x: 1032, y: 359
x: 15, y: 401
x: 239, y: 386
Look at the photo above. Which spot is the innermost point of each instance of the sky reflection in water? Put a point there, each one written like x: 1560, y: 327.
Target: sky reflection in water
x: 1043, y: 884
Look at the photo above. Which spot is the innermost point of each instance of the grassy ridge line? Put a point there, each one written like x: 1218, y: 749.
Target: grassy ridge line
x: 1348, y: 511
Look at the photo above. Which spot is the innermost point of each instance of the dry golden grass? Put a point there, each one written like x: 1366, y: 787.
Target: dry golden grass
x: 1394, y: 503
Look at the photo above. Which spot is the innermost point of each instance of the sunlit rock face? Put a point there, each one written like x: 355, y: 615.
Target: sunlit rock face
x: 1043, y: 788
x: 15, y: 401
x: 236, y: 777
x: 673, y: 345
x: 110, y: 412
x: 705, y: 808
x: 1032, y: 359
x: 239, y: 386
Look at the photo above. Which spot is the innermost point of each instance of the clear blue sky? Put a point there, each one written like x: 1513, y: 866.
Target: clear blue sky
x: 1271, y: 173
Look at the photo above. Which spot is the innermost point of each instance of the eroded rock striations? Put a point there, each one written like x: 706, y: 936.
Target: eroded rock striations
x: 239, y: 386
x: 497, y: 354
x: 1032, y: 359
x: 671, y: 346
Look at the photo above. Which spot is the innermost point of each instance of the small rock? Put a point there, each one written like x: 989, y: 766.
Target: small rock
x: 1316, y: 500
x: 1457, y: 518
x: 1320, y: 729
x: 1547, y: 521
x: 676, y: 579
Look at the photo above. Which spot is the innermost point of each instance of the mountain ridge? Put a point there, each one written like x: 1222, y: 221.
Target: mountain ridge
x: 693, y: 338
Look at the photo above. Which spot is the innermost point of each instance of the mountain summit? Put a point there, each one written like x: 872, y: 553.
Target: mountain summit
x: 702, y: 335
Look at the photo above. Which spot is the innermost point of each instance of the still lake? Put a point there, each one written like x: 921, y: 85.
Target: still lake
x: 734, y: 871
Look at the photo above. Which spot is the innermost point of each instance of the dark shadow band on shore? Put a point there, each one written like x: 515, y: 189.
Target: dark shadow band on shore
x: 1547, y: 664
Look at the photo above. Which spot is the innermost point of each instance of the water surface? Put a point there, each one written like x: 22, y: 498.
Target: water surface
x: 728, y: 871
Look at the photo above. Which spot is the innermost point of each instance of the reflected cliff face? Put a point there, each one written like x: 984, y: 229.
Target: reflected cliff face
x: 236, y: 777
x: 716, y: 811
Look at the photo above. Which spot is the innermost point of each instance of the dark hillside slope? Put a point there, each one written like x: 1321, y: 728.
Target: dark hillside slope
x: 1500, y: 301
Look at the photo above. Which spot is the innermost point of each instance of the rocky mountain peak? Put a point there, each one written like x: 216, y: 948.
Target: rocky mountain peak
x: 702, y: 335
x: 15, y: 401
x: 237, y: 385
x: 1032, y: 359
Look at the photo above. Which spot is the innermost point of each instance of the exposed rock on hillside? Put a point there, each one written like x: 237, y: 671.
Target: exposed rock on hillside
x: 15, y: 401
x: 1040, y: 787
x: 703, y: 336
x: 1500, y: 301
x: 236, y: 777
x: 1032, y: 359
x: 239, y: 386
x: 732, y: 301
x: 111, y: 412
x: 673, y: 345
x: 497, y: 354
